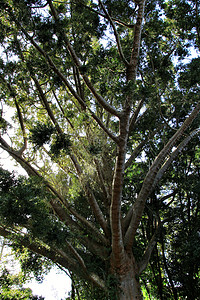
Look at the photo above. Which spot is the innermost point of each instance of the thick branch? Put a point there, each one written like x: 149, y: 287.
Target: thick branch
x: 115, y: 209
x: 132, y: 69
x: 138, y: 206
x: 173, y: 155
x: 42, y: 250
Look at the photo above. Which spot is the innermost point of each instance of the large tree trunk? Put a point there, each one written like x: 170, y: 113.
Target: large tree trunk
x: 130, y: 287
x: 128, y: 281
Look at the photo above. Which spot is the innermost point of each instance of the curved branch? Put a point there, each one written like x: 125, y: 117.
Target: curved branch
x: 21, y: 121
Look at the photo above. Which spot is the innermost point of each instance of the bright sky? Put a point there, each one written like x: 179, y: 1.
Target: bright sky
x: 55, y: 286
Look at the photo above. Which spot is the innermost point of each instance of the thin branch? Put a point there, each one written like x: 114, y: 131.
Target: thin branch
x: 136, y: 113
x: 77, y: 62
x: 135, y: 153
x: 60, y: 106
x: 49, y: 60
x: 148, y: 251
x: 20, y: 117
x: 115, y: 33
x: 138, y: 149
x: 21, y: 121
x: 105, y: 129
x: 104, y: 188
x: 120, y: 22
x: 46, y: 104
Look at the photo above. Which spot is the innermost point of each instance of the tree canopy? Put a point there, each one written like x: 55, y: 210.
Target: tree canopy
x: 100, y: 106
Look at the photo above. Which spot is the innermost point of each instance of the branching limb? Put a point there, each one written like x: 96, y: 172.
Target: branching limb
x: 53, y: 254
x: 93, y: 203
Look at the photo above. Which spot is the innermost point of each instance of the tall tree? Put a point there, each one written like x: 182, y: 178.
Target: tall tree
x: 103, y: 103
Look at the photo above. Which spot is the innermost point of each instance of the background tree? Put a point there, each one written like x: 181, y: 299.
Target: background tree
x: 11, y: 282
x: 104, y: 104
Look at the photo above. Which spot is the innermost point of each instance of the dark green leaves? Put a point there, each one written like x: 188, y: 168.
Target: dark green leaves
x: 61, y: 142
x: 40, y: 134
x: 43, y: 134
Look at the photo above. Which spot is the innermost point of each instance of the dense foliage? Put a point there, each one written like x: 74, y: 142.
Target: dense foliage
x: 100, y: 106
